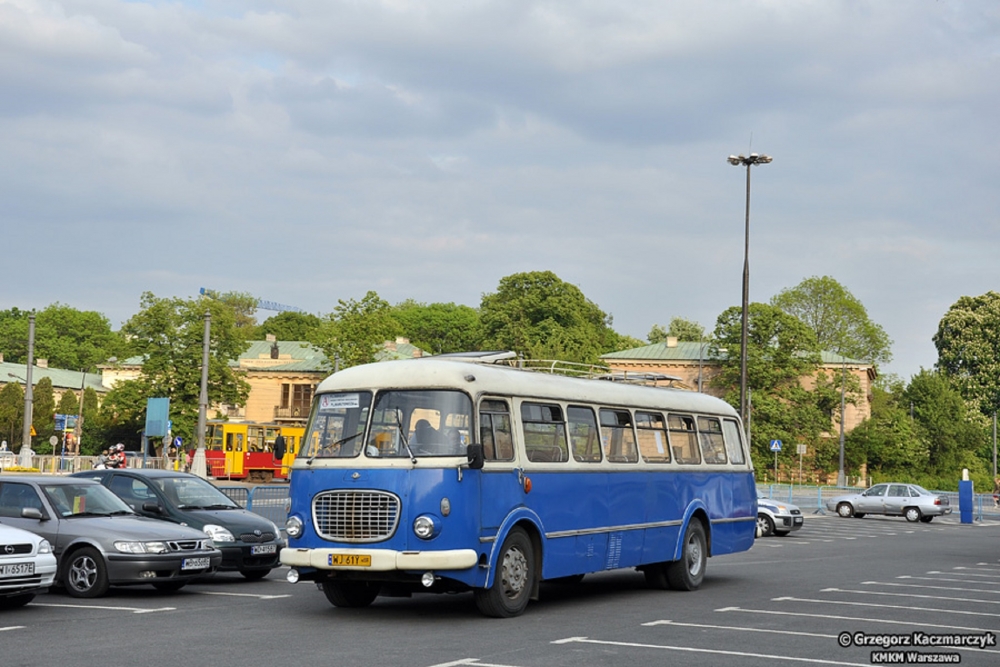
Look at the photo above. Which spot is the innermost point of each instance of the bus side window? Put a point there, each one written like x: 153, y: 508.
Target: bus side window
x: 494, y: 430
x: 734, y: 446
x: 652, y: 437
x: 619, y: 438
x: 713, y: 449
x: 584, y: 438
x: 544, y: 433
x: 683, y: 438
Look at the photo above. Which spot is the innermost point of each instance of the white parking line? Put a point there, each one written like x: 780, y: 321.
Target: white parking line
x: 737, y: 627
x: 13, y: 627
x: 884, y: 606
x: 940, y: 588
x: 243, y: 595
x: 983, y: 569
x: 961, y: 581
x: 470, y: 661
x: 965, y: 571
x: 908, y: 595
x: 689, y: 649
x: 134, y: 610
x: 853, y: 619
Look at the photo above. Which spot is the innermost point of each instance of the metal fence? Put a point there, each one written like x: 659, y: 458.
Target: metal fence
x: 270, y: 502
x: 813, y: 498
x: 49, y: 463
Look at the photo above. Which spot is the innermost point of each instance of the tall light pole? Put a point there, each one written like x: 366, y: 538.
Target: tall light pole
x: 740, y: 161
x: 198, y: 464
x: 25, y: 454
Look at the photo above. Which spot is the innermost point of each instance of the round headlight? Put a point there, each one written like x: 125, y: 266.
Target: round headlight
x: 425, y: 527
x: 293, y: 527
x: 218, y: 533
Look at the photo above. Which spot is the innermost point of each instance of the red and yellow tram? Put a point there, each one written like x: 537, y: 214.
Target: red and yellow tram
x: 245, y: 450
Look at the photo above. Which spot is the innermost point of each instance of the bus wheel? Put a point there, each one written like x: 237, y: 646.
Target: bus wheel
x: 687, y: 573
x: 512, y: 582
x: 351, y: 593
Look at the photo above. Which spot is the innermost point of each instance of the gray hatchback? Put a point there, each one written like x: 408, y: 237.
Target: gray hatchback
x: 99, y: 541
x: 909, y: 500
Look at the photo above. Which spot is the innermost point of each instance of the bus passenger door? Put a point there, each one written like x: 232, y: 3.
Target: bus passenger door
x: 234, y: 453
x: 501, y: 483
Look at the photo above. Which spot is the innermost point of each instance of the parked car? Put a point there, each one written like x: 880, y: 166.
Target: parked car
x: 27, y: 566
x: 99, y: 541
x: 250, y: 544
x: 914, y: 502
x: 777, y: 518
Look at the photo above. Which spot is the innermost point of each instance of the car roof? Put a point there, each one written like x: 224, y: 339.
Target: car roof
x: 45, y: 479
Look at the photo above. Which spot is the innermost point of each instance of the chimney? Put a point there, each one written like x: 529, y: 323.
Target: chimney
x: 671, y: 341
x: 402, y: 341
x: 1, y: 357
x: 42, y: 363
x: 274, y: 349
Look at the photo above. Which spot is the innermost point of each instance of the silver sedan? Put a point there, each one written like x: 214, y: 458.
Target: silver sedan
x: 908, y: 500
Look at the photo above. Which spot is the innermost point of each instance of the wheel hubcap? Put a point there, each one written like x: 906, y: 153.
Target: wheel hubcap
x: 514, y: 573
x: 694, y: 556
x: 83, y: 574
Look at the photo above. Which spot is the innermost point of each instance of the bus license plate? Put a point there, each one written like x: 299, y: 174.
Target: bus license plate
x: 195, y: 563
x: 263, y: 549
x: 358, y: 560
x: 17, y: 569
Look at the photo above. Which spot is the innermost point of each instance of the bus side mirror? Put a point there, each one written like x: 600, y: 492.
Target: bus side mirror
x: 475, y: 456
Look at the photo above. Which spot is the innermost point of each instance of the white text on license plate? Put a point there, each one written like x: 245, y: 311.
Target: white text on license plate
x: 195, y: 563
x: 17, y: 569
x: 263, y: 549
x: 358, y: 560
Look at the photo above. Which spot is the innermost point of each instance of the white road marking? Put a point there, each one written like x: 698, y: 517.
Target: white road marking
x: 470, y: 661
x: 960, y: 581
x: 908, y: 595
x: 940, y: 588
x: 243, y: 595
x: 689, y: 649
x: 736, y: 627
x: 13, y: 627
x: 885, y: 606
x: 134, y: 610
x: 853, y: 619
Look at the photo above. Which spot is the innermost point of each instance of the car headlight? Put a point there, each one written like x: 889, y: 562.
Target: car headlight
x: 218, y: 533
x: 142, y: 547
x: 782, y: 508
x: 294, y: 526
x: 425, y: 527
x: 44, y: 547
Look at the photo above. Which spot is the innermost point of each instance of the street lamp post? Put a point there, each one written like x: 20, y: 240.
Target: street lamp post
x: 25, y: 454
x: 741, y: 161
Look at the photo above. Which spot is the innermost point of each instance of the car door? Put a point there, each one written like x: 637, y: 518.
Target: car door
x: 135, y: 492
x: 871, y: 501
x: 895, y: 498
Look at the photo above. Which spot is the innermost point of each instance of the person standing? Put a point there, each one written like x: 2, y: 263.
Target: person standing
x: 996, y: 492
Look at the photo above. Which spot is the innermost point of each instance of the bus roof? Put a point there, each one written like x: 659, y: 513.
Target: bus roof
x: 478, y: 378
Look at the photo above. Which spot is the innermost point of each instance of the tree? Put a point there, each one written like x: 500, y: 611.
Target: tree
x: 68, y: 403
x: 43, y: 414
x: 887, y: 441
x: 541, y: 317
x: 439, y: 328
x: 838, y: 319
x: 90, y: 437
x: 244, y: 308
x: 67, y: 337
x: 289, y: 325
x: 11, y: 414
x: 681, y: 329
x: 356, y: 330
x: 968, y: 345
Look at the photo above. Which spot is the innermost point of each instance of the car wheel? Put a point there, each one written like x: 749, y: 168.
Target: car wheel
x: 845, y: 510
x: 15, y: 601
x: 513, y: 579
x: 912, y: 514
x: 354, y: 594
x: 169, y: 586
x: 86, y: 574
x: 765, y: 526
x: 254, y: 575
x: 687, y: 573
x: 926, y: 519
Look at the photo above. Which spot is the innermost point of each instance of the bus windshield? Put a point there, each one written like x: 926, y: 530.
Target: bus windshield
x: 420, y: 423
x: 337, y: 424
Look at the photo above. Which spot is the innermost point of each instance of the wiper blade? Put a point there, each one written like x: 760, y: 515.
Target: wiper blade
x: 333, y: 444
x: 219, y: 506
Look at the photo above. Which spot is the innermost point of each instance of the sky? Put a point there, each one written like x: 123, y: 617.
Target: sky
x: 308, y: 151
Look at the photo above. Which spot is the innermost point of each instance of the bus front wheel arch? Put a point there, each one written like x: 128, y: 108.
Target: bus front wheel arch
x: 514, y: 580
x: 687, y: 573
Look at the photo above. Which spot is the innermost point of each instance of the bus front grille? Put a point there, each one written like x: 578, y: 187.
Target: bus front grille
x: 355, y: 516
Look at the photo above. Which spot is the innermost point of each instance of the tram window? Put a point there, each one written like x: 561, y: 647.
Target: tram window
x: 652, y: 433
x: 713, y: 448
x: 731, y: 431
x: 683, y: 438
x: 494, y: 430
x: 584, y: 437
x: 544, y: 433
x: 618, y: 436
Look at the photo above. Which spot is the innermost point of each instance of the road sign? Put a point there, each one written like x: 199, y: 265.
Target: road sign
x: 776, y: 445
x: 800, y: 449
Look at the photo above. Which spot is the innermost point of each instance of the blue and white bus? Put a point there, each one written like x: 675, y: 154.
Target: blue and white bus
x: 444, y: 475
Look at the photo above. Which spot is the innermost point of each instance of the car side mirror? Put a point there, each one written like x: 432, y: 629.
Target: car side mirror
x: 474, y: 453
x: 152, y: 507
x: 33, y: 513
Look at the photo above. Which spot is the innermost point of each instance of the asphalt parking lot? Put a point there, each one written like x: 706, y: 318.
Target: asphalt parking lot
x: 790, y: 600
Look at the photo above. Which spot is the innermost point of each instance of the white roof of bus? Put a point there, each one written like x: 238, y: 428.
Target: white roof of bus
x: 506, y: 381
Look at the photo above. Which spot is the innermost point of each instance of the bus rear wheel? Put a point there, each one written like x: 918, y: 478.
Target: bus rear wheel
x: 513, y: 580
x: 354, y: 594
x: 687, y: 573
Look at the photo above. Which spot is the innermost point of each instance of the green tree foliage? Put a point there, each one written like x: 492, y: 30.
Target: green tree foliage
x: 11, y: 414
x: 68, y: 403
x: 838, y: 319
x: 244, y: 308
x: 168, y: 334
x: 541, y: 317
x: 288, y: 326
x: 43, y: 415
x: 439, y: 328
x: 781, y: 351
x: 356, y: 330
x: 681, y: 329
x: 67, y: 337
x: 968, y: 345
x: 887, y: 441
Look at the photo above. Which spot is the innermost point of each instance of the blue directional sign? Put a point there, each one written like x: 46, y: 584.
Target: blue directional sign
x: 776, y: 445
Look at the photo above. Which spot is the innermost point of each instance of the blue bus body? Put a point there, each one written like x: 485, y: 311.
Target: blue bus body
x: 352, y: 519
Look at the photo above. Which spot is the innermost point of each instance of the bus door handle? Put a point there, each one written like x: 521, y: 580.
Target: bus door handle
x: 520, y: 475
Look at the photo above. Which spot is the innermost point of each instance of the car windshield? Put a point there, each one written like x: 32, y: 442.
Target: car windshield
x: 193, y: 493
x: 921, y: 490
x: 84, y: 499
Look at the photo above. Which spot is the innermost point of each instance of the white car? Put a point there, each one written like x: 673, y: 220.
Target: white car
x: 776, y: 517
x: 27, y: 566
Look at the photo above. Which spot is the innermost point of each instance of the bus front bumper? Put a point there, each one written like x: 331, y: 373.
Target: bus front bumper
x: 379, y: 560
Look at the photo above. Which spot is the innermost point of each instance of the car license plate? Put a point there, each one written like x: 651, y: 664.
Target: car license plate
x: 17, y: 569
x: 358, y: 560
x: 263, y: 549
x: 195, y: 563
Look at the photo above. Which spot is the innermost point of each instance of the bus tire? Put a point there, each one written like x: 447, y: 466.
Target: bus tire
x: 353, y: 594
x: 687, y: 573
x: 513, y: 580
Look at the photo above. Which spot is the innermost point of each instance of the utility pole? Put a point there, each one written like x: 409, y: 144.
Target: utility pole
x: 198, y: 466
x: 28, y: 397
